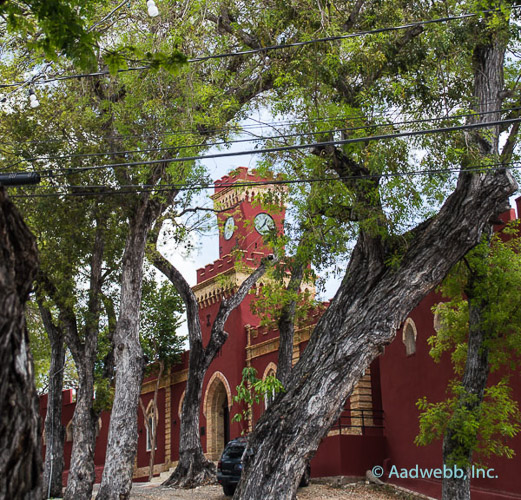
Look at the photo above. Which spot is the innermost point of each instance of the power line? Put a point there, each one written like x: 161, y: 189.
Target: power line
x: 33, y: 80
x: 272, y: 47
x: 263, y: 138
x: 133, y: 189
x: 295, y: 147
x: 236, y: 129
x: 218, y: 130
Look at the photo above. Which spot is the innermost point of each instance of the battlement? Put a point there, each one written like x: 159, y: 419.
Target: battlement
x: 217, y: 267
x: 239, y: 174
x: 259, y: 333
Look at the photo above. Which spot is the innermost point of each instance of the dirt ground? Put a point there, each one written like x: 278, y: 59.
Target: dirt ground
x: 315, y: 491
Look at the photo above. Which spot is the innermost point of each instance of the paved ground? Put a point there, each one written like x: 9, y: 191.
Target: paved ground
x: 359, y: 491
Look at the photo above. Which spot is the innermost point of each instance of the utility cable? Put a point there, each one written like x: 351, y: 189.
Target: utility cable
x: 355, y: 140
x: 143, y: 188
x: 236, y: 129
x: 262, y: 138
x: 271, y: 47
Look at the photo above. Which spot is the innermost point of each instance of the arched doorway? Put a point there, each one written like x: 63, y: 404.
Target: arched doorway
x: 217, y: 405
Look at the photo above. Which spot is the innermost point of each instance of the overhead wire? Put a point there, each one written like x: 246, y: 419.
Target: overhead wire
x: 262, y: 138
x: 294, y: 147
x: 143, y: 188
x: 230, y: 129
x: 270, y: 47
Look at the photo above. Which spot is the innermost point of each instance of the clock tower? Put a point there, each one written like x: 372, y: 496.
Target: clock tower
x: 243, y: 224
x: 243, y: 221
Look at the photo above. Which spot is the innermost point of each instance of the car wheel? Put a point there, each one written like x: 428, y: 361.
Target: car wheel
x: 229, y: 490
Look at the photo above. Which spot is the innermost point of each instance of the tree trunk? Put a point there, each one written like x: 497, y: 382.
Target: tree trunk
x: 193, y: 468
x: 116, y: 482
x: 372, y: 301
x: 474, y: 382
x: 82, y: 470
x: 488, y: 83
x: 362, y: 318
x: 20, y: 437
x: 83, y: 348
x: 286, y: 325
x: 54, y: 429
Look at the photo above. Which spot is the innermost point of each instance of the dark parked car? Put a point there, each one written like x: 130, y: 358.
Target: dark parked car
x: 229, y: 467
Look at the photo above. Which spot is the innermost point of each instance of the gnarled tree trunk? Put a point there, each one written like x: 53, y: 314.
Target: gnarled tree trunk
x: 116, y: 482
x: 193, y: 468
x: 362, y: 318
x: 54, y: 429
x: 20, y: 437
x: 372, y: 301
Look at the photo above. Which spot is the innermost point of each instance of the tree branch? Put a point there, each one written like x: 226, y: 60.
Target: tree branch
x: 182, y: 286
x: 224, y: 26
x: 218, y: 336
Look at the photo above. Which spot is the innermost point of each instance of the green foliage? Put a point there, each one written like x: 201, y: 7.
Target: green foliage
x: 40, y: 346
x: 484, y: 428
x: 501, y: 316
x: 103, y: 394
x: 272, y: 297
x: 253, y: 390
x: 54, y: 27
x: 160, y: 319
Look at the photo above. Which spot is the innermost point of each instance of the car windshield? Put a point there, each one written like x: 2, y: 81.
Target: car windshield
x: 234, y: 451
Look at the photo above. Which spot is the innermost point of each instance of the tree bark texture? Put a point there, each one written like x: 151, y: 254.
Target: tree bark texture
x: 371, y: 303
x: 54, y: 429
x: 193, y: 468
x: 116, y: 481
x: 83, y: 347
x: 82, y: 470
x: 20, y: 437
x: 286, y: 325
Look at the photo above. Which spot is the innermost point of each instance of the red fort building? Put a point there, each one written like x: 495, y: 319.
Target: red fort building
x: 380, y: 419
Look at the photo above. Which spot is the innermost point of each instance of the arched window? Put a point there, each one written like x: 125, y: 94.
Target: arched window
x: 437, y: 321
x: 150, y: 428
x: 409, y: 337
x: 68, y: 431
x: 270, y: 370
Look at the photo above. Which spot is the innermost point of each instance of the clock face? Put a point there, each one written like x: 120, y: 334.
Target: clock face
x: 264, y: 223
x: 229, y: 228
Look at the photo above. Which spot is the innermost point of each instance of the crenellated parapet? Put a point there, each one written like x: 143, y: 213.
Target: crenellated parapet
x: 230, y: 190
x: 220, y: 285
